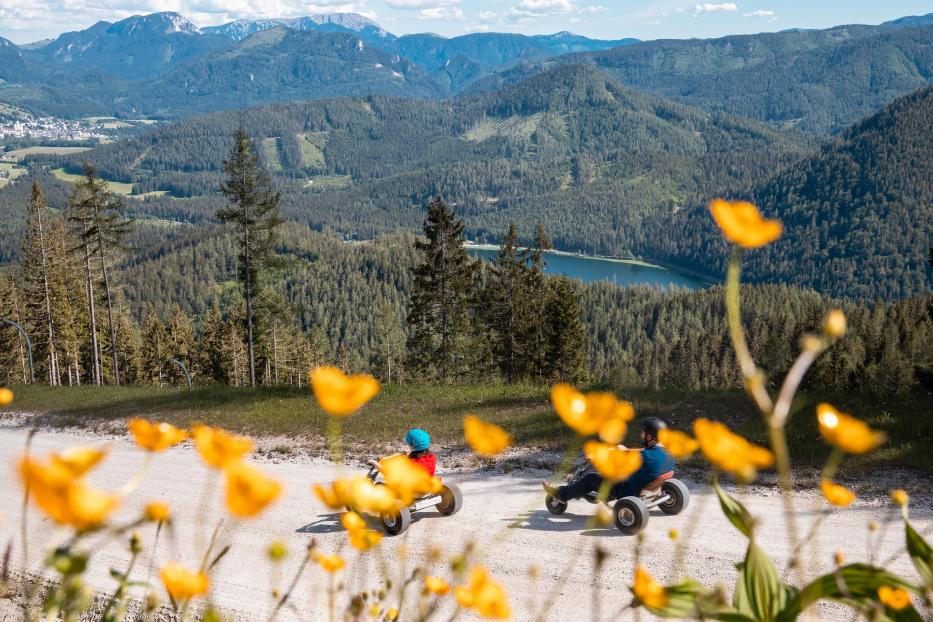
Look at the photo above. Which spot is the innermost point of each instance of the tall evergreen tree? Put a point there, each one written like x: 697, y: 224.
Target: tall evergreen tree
x: 537, y: 295
x: 390, y: 337
x: 254, y: 210
x: 507, y: 307
x: 443, y: 298
x: 36, y: 268
x: 566, y: 338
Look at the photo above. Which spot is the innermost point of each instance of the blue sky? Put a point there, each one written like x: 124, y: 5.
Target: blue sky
x: 28, y: 20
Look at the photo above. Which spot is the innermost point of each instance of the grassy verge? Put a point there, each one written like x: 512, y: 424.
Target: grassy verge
x: 522, y: 409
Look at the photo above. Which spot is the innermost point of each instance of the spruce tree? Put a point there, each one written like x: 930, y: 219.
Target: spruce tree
x: 390, y: 346
x: 254, y: 211
x: 507, y: 307
x: 566, y: 338
x: 214, y: 359
x: 443, y: 299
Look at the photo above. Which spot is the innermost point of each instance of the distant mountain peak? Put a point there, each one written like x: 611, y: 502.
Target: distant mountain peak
x: 163, y: 23
x: 346, y: 22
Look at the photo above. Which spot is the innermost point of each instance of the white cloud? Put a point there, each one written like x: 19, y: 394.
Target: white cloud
x: 420, y: 4
x: 540, y: 8
x: 759, y: 13
x: 476, y: 28
x: 714, y: 8
x: 594, y: 9
x: 487, y: 15
x: 440, y: 12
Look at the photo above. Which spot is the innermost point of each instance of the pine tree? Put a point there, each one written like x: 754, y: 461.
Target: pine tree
x: 390, y: 337
x: 36, y: 268
x: 254, y: 210
x: 97, y: 215
x: 67, y: 300
x: 13, y: 352
x: 156, y: 350
x: 214, y: 357
x: 180, y: 340
x: 535, y: 337
x: 507, y: 307
x: 566, y: 339
x: 443, y: 298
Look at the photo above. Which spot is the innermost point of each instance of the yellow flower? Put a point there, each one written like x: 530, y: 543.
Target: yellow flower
x: 64, y: 497
x: 837, y: 495
x: 352, y: 521
x: 648, y: 591
x: 392, y: 613
x: 218, y: 448
x: 277, y: 551
x: 847, y: 433
x: 895, y: 598
x: 612, y: 463
x: 486, y: 439
x: 6, y: 396
x: 406, y: 479
x: 359, y: 493
x: 730, y: 452
x: 742, y: 223
x: 677, y: 443
x: 483, y: 595
x: 900, y: 497
x: 592, y: 413
x: 835, y: 324
x: 436, y: 585
x: 79, y: 460
x: 181, y: 583
x: 339, y: 394
x: 249, y: 491
x: 155, y: 436
x: 329, y: 562
x: 364, y: 539
x: 157, y: 512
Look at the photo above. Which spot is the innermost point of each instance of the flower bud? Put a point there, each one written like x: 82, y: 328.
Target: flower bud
x: 277, y: 551
x: 900, y: 497
x: 839, y: 557
x: 811, y: 343
x: 136, y: 545
x: 834, y: 325
x: 673, y: 534
x: 873, y: 525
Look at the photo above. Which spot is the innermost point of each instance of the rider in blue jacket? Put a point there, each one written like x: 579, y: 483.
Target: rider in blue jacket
x: 655, y: 461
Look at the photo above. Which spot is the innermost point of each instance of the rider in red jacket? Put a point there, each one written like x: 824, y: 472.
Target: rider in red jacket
x: 419, y: 442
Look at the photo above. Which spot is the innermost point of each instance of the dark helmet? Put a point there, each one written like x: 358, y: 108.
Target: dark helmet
x: 652, y: 426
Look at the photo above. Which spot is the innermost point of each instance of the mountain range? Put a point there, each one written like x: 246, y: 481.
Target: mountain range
x: 161, y: 65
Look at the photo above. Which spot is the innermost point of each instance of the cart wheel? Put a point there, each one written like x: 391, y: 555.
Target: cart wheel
x: 679, y: 496
x: 451, y: 500
x: 554, y: 505
x: 397, y: 522
x: 631, y: 515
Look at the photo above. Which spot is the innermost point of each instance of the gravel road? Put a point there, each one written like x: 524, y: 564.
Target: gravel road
x: 503, y: 515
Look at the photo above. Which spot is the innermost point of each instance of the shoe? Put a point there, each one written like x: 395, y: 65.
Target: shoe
x: 549, y: 488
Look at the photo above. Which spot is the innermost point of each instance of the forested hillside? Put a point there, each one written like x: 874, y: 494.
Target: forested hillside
x: 817, y: 80
x: 858, y: 215
x: 583, y: 154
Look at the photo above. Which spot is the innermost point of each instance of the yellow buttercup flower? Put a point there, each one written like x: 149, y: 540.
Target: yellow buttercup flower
x: 835, y: 324
x: 181, y: 583
x: 592, y: 413
x: 329, y: 562
x: 359, y: 493
x: 339, y: 394
x: 849, y: 434
x: 483, y: 595
x: 677, y: 443
x: 364, y: 539
x: 894, y: 597
x: 218, y: 448
x: 392, y: 614
x: 486, y: 439
x: 277, y: 551
x: 79, y: 460
x: 900, y: 497
x: 157, y: 512
x: 612, y: 463
x: 837, y: 495
x: 436, y: 585
x: 66, y: 498
x: 406, y: 479
x: 743, y: 224
x: 155, y: 436
x: 730, y: 452
x: 648, y: 591
x: 352, y: 521
x: 6, y: 396
x: 249, y: 491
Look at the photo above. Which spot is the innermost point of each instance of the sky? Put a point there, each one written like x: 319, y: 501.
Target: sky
x: 24, y: 21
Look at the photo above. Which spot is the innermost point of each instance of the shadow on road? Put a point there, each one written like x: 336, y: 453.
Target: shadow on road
x: 542, y: 520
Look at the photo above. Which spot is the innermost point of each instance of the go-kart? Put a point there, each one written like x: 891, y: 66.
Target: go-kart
x: 667, y: 494
x: 447, y: 502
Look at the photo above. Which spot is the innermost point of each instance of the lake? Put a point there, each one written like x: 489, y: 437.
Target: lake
x: 592, y: 269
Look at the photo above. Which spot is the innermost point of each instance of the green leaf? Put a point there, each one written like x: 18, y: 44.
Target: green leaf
x: 735, y: 511
x: 920, y: 553
x: 681, y: 600
x: 855, y: 585
x: 760, y: 592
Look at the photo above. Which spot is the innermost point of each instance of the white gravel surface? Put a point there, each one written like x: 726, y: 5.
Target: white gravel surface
x: 505, y: 509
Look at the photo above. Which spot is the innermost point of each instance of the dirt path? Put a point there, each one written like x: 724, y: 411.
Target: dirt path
x: 495, y: 505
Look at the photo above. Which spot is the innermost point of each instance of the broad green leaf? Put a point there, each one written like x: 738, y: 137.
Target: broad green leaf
x: 759, y: 591
x: 921, y: 553
x: 855, y: 585
x: 735, y: 511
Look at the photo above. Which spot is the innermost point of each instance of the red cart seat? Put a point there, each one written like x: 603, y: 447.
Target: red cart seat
x: 655, y: 485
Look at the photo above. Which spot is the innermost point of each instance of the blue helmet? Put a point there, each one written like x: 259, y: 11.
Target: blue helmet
x: 417, y: 439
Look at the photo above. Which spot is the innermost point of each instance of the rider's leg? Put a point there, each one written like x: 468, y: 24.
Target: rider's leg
x: 579, y: 488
